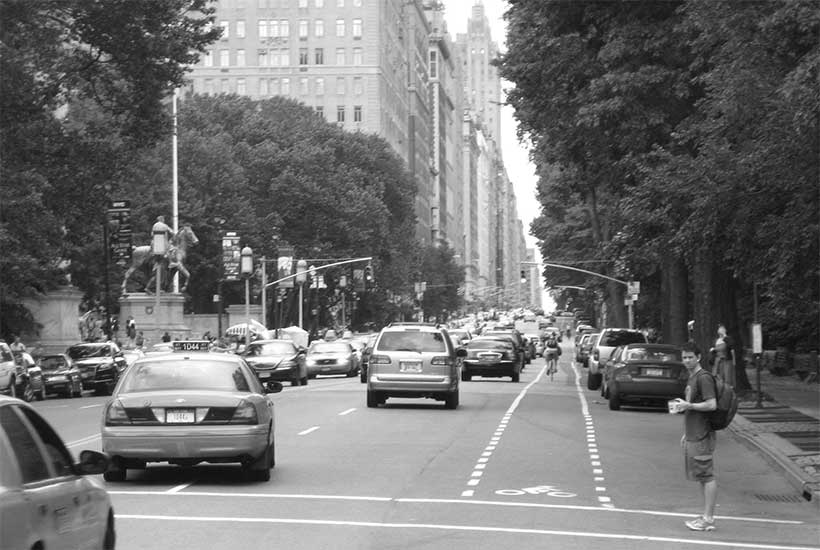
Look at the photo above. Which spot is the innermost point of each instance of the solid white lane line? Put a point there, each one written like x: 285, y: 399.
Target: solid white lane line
x: 92, y: 406
x: 179, y: 488
x: 348, y: 411
x: 465, y: 528
x: 305, y: 432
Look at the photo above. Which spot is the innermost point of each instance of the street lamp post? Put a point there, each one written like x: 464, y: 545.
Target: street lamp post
x: 246, y: 270
x: 342, y: 286
x: 159, y: 248
x: 301, y: 277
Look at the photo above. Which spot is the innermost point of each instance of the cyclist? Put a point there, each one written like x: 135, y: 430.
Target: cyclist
x: 552, y: 350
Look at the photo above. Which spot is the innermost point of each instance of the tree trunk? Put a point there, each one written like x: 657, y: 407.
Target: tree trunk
x: 617, y: 315
x: 674, y: 301
x: 702, y: 304
x: 726, y: 288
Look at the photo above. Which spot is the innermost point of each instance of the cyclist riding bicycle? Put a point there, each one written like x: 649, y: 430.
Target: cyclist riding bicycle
x: 552, y: 350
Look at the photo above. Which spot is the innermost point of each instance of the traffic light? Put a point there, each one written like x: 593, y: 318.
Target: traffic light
x: 368, y: 274
x: 523, y: 276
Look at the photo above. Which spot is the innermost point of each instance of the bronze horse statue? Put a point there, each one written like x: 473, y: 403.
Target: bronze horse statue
x: 173, y: 261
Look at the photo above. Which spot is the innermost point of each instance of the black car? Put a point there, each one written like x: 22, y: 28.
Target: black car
x: 491, y: 356
x: 61, y: 375
x: 277, y: 360
x: 100, y: 364
x: 516, y: 337
x: 644, y: 374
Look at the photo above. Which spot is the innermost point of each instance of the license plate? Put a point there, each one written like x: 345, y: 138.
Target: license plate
x: 405, y: 366
x: 180, y: 416
x: 653, y: 372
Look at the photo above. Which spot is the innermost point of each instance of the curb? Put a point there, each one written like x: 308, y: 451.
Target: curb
x: 771, y: 446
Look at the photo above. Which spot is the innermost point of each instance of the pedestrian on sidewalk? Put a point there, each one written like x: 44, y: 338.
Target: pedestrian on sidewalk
x: 698, y: 441
x: 724, y: 366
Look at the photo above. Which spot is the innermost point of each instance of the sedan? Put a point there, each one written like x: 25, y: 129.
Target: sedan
x: 277, y: 360
x: 644, y: 374
x: 100, y: 364
x: 491, y: 357
x: 189, y: 407
x: 337, y: 357
x: 61, y: 375
x: 46, y: 498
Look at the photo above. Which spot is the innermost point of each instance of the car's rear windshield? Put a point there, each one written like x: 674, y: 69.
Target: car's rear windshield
x: 486, y: 343
x: 417, y: 341
x: 81, y: 352
x: 271, y: 348
x: 330, y: 347
x: 617, y: 338
x: 52, y: 362
x: 652, y: 354
x: 190, y: 374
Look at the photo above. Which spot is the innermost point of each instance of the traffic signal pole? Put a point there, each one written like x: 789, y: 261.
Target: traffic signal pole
x: 317, y: 268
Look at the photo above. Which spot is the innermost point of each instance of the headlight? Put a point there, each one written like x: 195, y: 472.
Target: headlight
x: 57, y: 378
x: 286, y: 365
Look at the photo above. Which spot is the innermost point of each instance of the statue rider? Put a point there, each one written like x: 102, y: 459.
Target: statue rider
x: 161, y: 226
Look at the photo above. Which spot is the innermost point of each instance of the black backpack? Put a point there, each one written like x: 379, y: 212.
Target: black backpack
x: 727, y: 403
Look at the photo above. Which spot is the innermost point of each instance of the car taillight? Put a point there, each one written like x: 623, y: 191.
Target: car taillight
x: 116, y: 415
x: 379, y: 360
x: 441, y: 360
x: 245, y: 413
x: 623, y: 376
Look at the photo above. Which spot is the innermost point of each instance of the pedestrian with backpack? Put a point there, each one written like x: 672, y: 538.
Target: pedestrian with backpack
x: 699, y: 436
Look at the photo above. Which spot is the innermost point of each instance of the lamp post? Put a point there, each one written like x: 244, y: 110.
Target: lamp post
x: 246, y: 270
x: 342, y: 286
x: 159, y: 246
x: 301, y: 277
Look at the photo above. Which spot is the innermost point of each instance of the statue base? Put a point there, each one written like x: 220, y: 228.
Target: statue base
x: 155, y: 316
x: 57, y: 312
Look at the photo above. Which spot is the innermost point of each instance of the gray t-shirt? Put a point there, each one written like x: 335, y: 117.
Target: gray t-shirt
x: 699, y: 388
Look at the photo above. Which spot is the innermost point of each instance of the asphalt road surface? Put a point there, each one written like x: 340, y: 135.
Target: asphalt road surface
x: 537, y: 464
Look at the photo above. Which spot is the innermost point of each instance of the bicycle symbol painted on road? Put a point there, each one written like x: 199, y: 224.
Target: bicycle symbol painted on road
x: 549, y: 490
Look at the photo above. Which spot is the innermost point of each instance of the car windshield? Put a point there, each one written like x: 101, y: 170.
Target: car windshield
x: 622, y: 337
x: 487, y: 343
x: 191, y: 374
x: 82, y: 352
x: 330, y: 347
x: 650, y: 354
x: 412, y: 341
x: 271, y: 348
x: 52, y: 362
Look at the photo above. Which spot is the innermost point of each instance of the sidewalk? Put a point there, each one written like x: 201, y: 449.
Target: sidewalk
x: 786, y: 429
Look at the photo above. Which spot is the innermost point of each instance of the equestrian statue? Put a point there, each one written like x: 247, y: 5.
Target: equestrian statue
x: 143, y: 259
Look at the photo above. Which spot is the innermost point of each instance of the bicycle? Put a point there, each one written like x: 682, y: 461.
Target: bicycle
x: 552, y: 362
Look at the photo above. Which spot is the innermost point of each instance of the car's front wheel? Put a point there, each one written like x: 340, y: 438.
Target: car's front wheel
x: 594, y: 380
x: 79, y: 392
x: 451, y: 401
x: 614, y: 399
x: 372, y: 399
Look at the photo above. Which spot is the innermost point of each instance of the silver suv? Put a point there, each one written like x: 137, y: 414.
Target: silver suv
x: 8, y: 370
x: 602, y: 348
x: 414, y: 360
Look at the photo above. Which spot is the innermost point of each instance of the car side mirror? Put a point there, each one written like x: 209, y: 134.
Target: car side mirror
x: 273, y: 387
x: 92, y: 463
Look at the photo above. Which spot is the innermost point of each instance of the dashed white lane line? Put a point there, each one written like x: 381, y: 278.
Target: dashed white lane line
x: 592, y: 445
x: 481, y: 463
x: 179, y: 488
x: 348, y: 411
x: 309, y: 430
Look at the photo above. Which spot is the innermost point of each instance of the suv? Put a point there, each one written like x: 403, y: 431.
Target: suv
x: 8, y: 370
x: 414, y: 360
x: 100, y: 364
x: 602, y: 348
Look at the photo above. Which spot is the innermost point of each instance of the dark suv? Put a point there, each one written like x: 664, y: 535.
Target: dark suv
x: 100, y: 365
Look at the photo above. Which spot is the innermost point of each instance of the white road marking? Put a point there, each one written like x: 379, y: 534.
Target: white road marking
x: 465, y: 528
x: 179, y: 488
x: 468, y: 493
x: 83, y: 441
x: 305, y: 432
x: 92, y: 406
x: 348, y: 411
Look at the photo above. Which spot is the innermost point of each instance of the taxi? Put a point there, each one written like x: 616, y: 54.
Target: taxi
x: 187, y: 407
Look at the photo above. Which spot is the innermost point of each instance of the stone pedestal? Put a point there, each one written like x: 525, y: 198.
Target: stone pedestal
x: 58, y: 312
x: 155, y: 322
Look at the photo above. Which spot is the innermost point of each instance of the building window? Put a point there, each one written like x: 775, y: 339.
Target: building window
x: 357, y: 57
x: 208, y: 58
x: 273, y: 58
x: 320, y: 86
x: 264, y: 90
x: 303, y: 3
x: 357, y: 28
x: 209, y: 86
x: 240, y: 58
x: 284, y: 57
x: 225, y: 86
x: 319, y: 3
x: 340, y: 85
x: 320, y: 111
x: 319, y: 27
x: 274, y: 86
x: 319, y: 56
x: 433, y: 64
x: 358, y: 86
x: 240, y: 86
x: 340, y: 56
x: 303, y: 56
x: 340, y: 27
x: 285, y: 86
x: 224, y: 58
x: 274, y: 29
x: 262, y: 56
x: 340, y: 113
x: 357, y: 113
x: 340, y: 3
x: 226, y: 29
x: 357, y: 3
x: 262, y: 28
x: 284, y: 28
x: 303, y: 29
x: 240, y: 29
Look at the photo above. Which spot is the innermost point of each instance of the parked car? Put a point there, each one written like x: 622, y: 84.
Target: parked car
x: 584, y: 347
x: 491, y: 357
x: 414, y: 360
x: 337, y: 357
x: 366, y: 353
x: 460, y: 336
x: 602, y: 348
x: 8, y: 370
x: 204, y: 407
x: 535, y: 342
x: 280, y: 360
x: 100, y: 364
x: 30, y: 385
x: 61, y: 375
x: 46, y: 500
x: 645, y: 374
x: 582, y: 329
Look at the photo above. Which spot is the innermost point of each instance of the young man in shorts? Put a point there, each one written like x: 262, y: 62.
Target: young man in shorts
x: 698, y: 440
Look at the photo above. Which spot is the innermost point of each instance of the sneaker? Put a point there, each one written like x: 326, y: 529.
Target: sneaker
x: 700, y: 524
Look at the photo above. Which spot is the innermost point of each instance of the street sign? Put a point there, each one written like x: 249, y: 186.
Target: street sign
x: 757, y: 338
x: 231, y: 256
x: 119, y: 231
x: 633, y: 287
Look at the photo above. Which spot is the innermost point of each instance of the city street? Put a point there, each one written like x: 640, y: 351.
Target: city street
x: 538, y: 464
